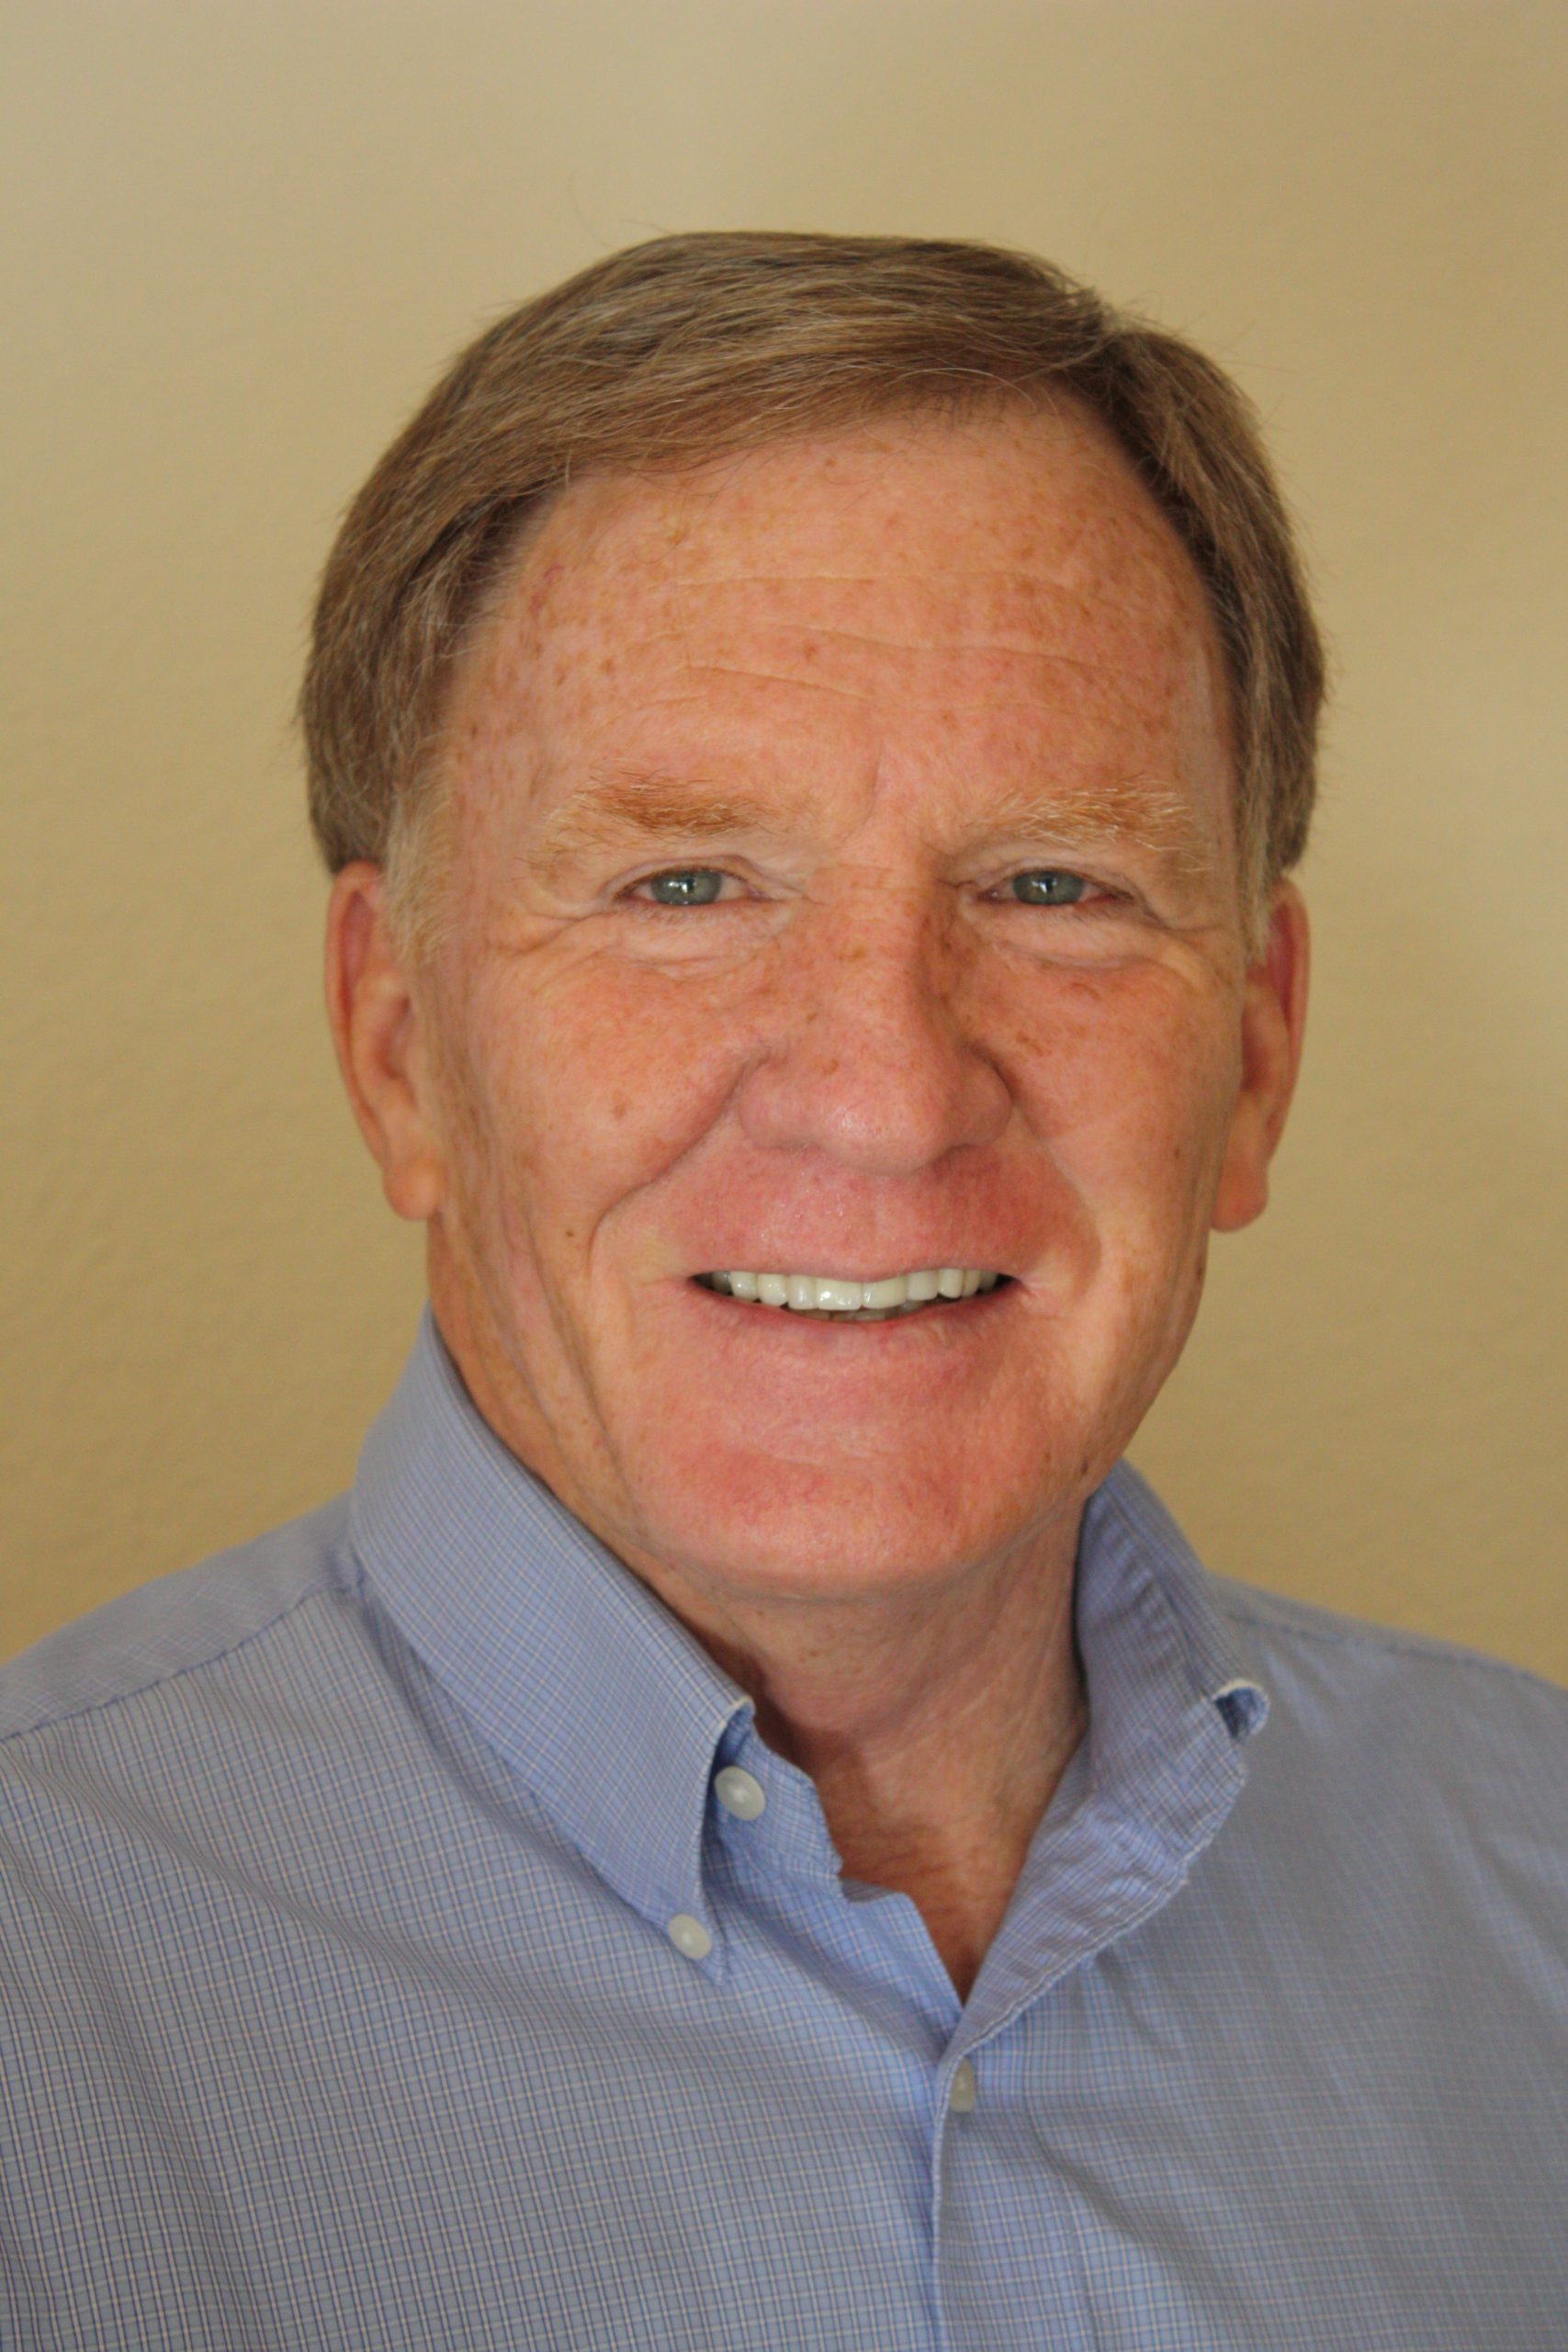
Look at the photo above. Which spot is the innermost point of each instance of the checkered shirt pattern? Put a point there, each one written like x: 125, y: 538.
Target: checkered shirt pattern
x: 341, y: 2007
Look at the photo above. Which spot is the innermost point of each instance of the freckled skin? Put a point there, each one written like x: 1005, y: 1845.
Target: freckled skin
x: 867, y: 1058
x: 859, y: 1066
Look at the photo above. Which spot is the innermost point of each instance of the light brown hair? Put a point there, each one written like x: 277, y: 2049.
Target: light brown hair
x: 685, y: 349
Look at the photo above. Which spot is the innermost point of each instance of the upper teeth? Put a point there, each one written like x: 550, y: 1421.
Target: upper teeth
x: 831, y: 1295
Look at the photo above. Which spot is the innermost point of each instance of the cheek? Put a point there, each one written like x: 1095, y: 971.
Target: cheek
x: 1128, y: 1079
x: 591, y: 1088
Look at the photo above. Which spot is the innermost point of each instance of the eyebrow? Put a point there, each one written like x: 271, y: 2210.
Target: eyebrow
x: 1129, y: 813
x: 650, y: 805
x: 1122, y: 812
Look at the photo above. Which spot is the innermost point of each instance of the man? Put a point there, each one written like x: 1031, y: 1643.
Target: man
x: 748, y: 1828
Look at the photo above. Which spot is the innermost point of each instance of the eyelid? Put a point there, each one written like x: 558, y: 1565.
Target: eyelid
x: 1110, y: 897
x: 1101, y: 889
x: 681, y: 865
x: 1095, y: 882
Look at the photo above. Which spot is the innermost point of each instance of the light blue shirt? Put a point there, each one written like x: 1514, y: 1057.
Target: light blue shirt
x: 342, y: 2006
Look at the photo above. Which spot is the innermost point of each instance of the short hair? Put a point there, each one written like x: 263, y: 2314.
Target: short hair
x: 678, y: 352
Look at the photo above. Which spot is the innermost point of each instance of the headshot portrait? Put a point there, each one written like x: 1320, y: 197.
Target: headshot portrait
x: 785, y: 1465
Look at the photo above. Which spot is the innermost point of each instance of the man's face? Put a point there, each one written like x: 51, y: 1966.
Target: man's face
x: 843, y: 886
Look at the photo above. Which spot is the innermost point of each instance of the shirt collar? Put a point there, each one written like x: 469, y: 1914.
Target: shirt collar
x: 614, y: 1716
x: 1126, y: 1527
x: 1172, y: 1700
x: 582, y: 1681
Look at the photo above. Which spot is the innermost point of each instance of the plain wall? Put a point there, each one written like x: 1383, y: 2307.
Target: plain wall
x: 243, y: 238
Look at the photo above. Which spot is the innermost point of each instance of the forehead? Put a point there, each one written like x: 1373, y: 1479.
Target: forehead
x: 1005, y: 585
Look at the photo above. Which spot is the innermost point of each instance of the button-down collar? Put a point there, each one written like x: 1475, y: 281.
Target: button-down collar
x: 1171, y: 1701
x: 615, y: 1717
x: 584, y: 1682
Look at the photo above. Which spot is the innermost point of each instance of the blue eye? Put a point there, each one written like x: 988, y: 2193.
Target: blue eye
x: 684, y: 886
x: 1047, y: 886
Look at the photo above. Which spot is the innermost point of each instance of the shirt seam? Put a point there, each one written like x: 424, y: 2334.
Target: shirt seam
x: 47, y: 1723
x: 1232, y: 1597
x: 1237, y: 1602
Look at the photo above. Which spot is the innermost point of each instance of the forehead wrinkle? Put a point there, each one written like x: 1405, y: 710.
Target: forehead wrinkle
x: 930, y: 577
x: 779, y: 678
x: 829, y: 601
x: 826, y: 633
x: 992, y: 673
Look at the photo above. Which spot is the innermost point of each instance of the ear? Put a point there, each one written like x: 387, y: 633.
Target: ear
x: 1273, y: 1021
x: 381, y: 1043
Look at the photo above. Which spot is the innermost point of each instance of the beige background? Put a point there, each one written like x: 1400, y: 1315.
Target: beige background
x: 242, y: 239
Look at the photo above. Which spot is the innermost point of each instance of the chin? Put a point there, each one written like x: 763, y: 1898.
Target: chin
x: 803, y: 1532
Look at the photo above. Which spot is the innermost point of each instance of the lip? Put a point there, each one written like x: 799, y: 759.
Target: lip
x: 769, y: 1374
x: 831, y: 1264
x: 738, y: 1313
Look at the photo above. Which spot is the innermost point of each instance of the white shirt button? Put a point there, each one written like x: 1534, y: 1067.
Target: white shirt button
x: 690, y: 1936
x: 966, y: 2090
x: 740, y: 1792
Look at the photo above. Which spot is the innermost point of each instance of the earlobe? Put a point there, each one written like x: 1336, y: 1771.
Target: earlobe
x: 1273, y: 1024
x: 377, y: 1034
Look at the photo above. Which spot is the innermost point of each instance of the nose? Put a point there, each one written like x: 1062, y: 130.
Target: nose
x: 869, y: 1059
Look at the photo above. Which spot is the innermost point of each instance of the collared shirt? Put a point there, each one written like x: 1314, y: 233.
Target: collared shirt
x: 409, y: 1942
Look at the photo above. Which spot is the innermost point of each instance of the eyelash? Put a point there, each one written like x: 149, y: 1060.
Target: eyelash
x: 663, y: 873
x: 1102, y: 894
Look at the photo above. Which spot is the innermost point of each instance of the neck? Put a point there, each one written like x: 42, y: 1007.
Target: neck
x: 935, y: 1731
x: 935, y: 1721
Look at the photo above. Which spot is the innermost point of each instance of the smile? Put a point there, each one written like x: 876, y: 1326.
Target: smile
x: 834, y: 1295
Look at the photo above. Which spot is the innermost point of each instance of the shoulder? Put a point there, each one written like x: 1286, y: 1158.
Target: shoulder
x: 1367, y: 1653
x: 1403, y: 1722
x: 145, y: 1645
